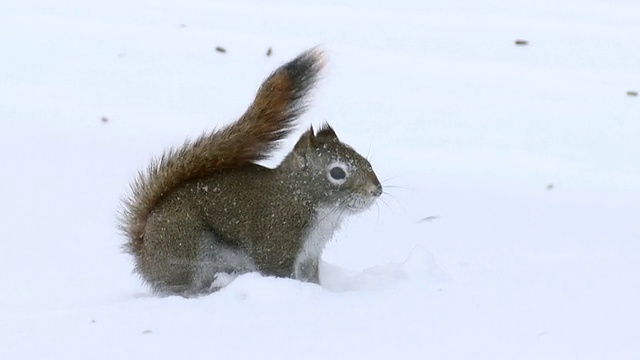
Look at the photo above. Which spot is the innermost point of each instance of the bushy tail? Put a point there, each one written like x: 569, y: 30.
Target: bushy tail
x: 280, y: 100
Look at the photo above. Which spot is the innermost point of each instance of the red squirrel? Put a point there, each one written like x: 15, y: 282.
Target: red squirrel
x: 207, y: 208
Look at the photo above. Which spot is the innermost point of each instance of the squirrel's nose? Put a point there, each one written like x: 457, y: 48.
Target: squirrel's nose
x: 375, y: 190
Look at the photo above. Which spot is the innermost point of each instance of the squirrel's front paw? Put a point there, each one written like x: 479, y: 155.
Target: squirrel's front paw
x: 307, y: 271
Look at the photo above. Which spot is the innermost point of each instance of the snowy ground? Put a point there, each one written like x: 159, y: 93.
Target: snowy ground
x: 511, y: 228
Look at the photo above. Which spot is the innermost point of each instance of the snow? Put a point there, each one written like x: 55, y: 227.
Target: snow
x: 509, y: 228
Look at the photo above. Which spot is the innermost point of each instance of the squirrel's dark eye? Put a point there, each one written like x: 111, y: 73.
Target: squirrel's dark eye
x: 338, y: 173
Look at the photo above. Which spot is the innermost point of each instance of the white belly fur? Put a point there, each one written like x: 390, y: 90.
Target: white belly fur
x: 326, y: 222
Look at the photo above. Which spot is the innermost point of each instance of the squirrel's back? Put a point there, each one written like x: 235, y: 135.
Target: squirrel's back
x: 271, y: 117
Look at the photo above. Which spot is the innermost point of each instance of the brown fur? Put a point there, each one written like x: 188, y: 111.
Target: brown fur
x: 270, y: 118
x: 207, y: 208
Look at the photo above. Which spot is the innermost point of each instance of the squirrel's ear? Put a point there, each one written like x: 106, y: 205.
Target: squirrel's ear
x: 302, y: 147
x: 326, y: 133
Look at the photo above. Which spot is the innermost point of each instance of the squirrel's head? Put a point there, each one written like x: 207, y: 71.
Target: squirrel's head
x: 340, y: 175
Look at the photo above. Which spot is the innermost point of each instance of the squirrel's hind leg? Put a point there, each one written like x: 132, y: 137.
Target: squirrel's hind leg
x: 182, y: 256
x: 219, y: 264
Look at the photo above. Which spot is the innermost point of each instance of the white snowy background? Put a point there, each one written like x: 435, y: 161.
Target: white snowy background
x: 510, y: 228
